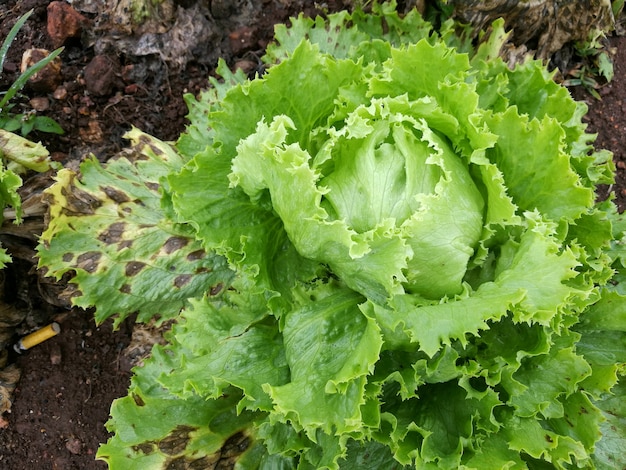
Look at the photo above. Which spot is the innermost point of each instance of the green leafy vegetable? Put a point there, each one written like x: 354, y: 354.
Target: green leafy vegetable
x: 419, y: 274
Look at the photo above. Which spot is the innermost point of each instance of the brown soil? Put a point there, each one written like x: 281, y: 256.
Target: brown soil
x: 68, y: 383
x: 607, y: 118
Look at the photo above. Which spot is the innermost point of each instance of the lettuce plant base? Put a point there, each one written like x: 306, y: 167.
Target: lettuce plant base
x: 43, y: 434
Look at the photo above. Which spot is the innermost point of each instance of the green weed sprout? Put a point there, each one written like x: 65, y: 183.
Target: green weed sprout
x: 24, y: 123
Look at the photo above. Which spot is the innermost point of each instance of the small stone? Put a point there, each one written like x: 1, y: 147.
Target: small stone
x: 48, y: 78
x: 242, y: 40
x: 131, y: 89
x: 246, y: 66
x: 55, y: 355
x: 58, y: 156
x: 86, y: 101
x: 64, y: 22
x: 60, y: 93
x: 127, y: 73
x: 40, y: 103
x: 92, y: 133
x: 9, y: 67
x: 101, y: 75
x: 74, y: 445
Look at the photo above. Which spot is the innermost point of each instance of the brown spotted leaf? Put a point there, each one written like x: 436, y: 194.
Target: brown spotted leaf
x: 158, y: 430
x: 108, y: 228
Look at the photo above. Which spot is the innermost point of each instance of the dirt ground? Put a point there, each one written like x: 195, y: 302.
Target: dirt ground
x: 67, y: 384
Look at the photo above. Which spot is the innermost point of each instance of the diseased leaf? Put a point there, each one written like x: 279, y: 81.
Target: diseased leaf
x: 110, y: 233
x: 157, y: 430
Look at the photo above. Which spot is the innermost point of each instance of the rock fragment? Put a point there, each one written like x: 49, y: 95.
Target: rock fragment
x: 74, y: 445
x: 40, y: 103
x: 64, y: 22
x: 48, y: 78
x: 101, y: 75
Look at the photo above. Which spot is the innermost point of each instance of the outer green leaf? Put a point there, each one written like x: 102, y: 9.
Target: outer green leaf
x: 198, y: 135
x: 608, y: 314
x: 246, y: 105
x: 609, y: 452
x: 533, y: 90
x: 432, y: 430
x: 581, y: 421
x: 333, y: 37
x: 226, y: 350
x: 330, y: 348
x: 495, y: 453
x: 350, y: 35
x: 546, y: 378
x: 108, y: 229
x: 249, y: 235
x: 542, y: 446
x: 4, y: 257
x: 434, y: 325
x: 603, y: 330
x: 369, y: 454
x: 529, y: 154
x: 532, y: 285
x: 542, y: 268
